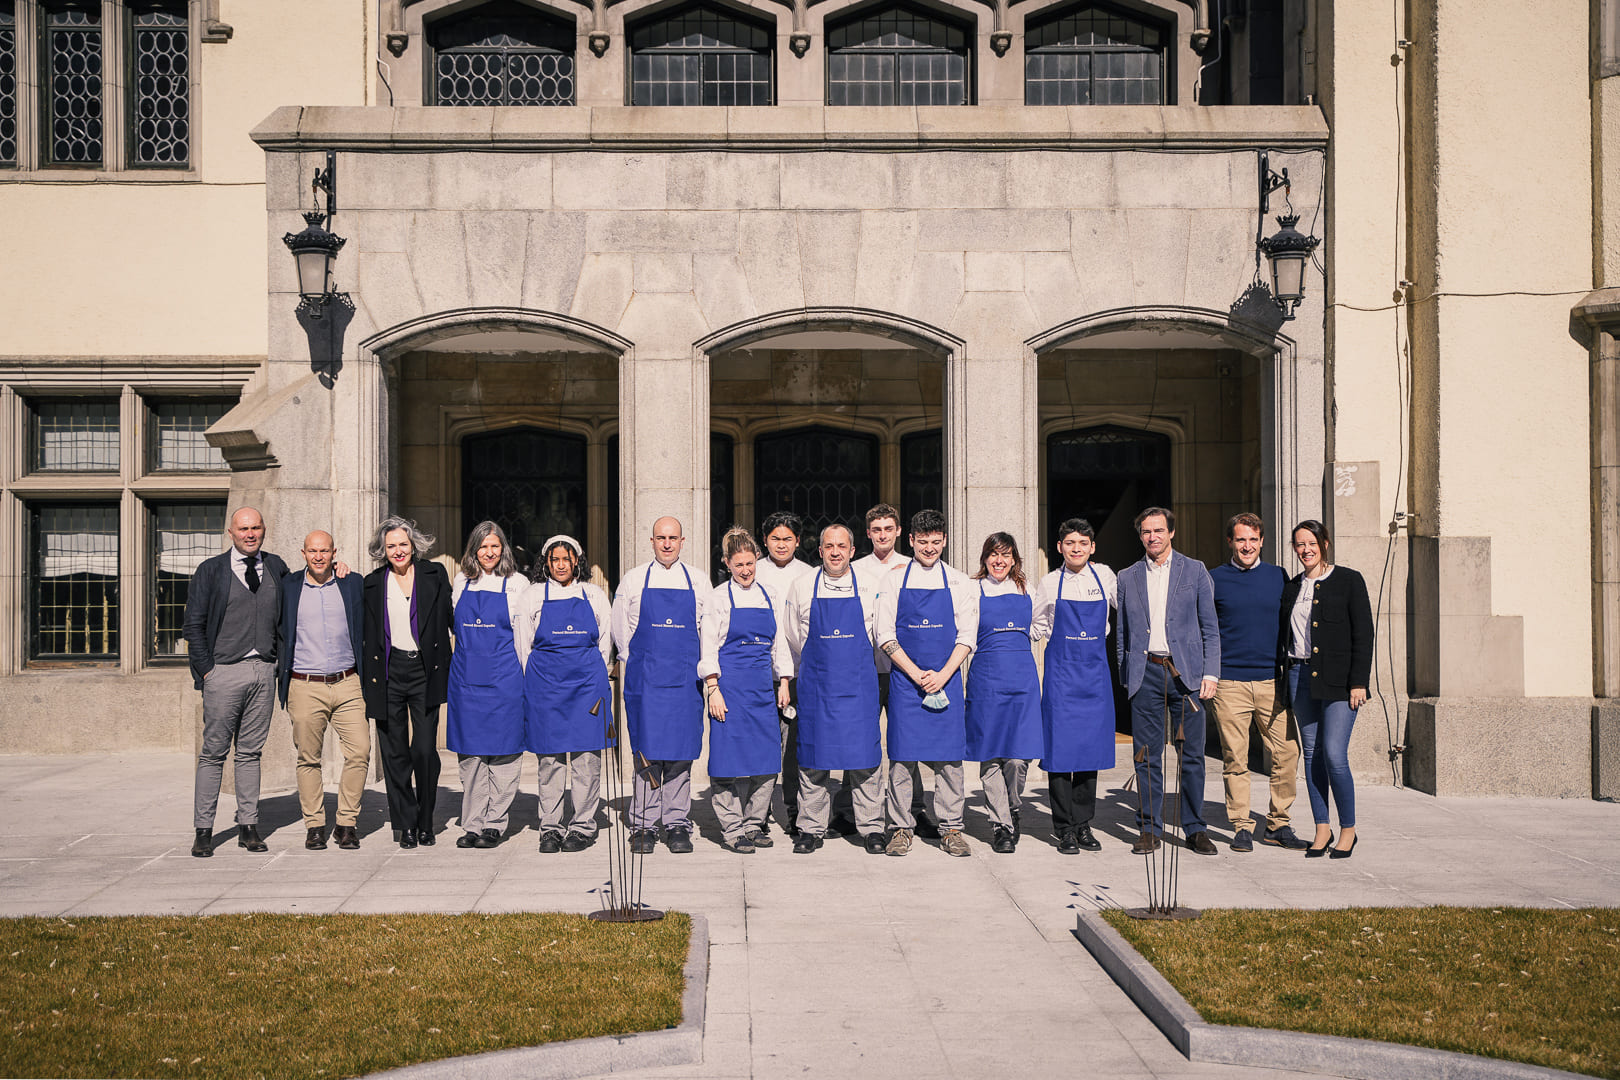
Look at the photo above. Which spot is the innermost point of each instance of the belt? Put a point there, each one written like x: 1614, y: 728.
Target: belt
x: 409, y: 654
x: 336, y: 676
x: 1163, y: 660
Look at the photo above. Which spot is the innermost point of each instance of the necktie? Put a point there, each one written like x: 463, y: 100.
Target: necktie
x: 252, y: 573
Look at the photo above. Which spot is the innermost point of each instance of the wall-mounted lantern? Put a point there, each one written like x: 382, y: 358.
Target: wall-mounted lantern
x: 314, y: 249
x: 1288, y: 249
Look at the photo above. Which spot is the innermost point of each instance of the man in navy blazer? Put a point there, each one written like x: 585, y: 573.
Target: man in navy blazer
x: 321, y: 621
x: 1169, y: 651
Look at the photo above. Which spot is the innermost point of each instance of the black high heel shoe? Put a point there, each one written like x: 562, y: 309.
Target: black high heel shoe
x: 1345, y: 854
x: 1318, y: 852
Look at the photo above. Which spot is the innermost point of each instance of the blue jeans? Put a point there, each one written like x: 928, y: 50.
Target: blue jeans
x: 1324, y: 736
x: 1147, y: 730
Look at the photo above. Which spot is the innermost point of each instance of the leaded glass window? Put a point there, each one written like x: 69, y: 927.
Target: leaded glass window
x: 8, y: 82
x: 176, y: 440
x: 922, y: 474
x: 826, y: 477
x: 75, y: 435
x: 503, y: 54
x: 700, y: 56
x: 183, y: 535
x: 160, y: 85
x: 897, y: 56
x: 1093, y: 55
x: 72, y: 41
x: 530, y: 482
x: 73, y: 582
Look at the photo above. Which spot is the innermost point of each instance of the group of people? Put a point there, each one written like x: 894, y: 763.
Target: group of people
x: 810, y: 675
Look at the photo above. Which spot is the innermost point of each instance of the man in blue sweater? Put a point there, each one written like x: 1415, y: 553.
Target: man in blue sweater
x: 1248, y: 598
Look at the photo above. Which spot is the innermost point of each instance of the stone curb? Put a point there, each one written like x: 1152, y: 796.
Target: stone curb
x: 1330, y: 1055
x: 682, y: 1045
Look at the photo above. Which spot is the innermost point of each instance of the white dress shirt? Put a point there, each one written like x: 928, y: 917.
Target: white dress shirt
x: 717, y: 624
x: 400, y: 635
x: 1079, y: 586
x: 534, y: 603
x: 627, y: 600
x: 1158, y: 597
x: 516, y: 586
x: 779, y: 579
x: 870, y: 566
x: 1299, y: 618
x: 964, y: 600
x: 839, y: 589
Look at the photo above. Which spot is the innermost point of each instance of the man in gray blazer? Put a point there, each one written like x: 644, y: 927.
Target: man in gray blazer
x: 1169, y: 651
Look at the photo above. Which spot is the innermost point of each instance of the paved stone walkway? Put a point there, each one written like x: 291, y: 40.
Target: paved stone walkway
x: 838, y: 964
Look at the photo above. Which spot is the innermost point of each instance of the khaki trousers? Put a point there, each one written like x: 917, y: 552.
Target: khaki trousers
x: 1236, y: 706
x: 312, y: 706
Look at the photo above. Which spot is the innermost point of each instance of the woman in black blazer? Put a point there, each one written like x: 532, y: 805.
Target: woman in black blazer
x: 406, y: 671
x: 1326, y: 641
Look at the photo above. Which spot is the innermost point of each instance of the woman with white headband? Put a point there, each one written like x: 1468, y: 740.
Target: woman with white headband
x: 567, y: 700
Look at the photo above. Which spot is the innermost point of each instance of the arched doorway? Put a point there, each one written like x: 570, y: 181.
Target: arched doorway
x: 528, y: 480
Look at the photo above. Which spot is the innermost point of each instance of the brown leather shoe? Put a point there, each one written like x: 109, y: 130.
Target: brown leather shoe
x: 1146, y: 844
x: 347, y: 837
x: 315, y: 839
x: 1199, y: 843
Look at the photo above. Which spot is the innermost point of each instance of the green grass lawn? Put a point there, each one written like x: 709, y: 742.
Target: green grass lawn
x: 320, y: 996
x: 1528, y: 985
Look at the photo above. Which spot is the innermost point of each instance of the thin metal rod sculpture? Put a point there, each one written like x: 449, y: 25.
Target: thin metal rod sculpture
x: 622, y: 902
x: 1164, y: 862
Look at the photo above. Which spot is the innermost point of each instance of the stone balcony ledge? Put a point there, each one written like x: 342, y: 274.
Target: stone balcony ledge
x: 794, y: 127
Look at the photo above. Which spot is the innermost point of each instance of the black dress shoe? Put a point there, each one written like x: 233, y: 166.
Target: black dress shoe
x: 1068, y: 842
x: 1314, y: 852
x: 875, y: 843
x: 1001, y: 840
x: 203, y: 845
x: 425, y: 837
x: 470, y: 839
x: 805, y: 842
x: 1146, y: 844
x: 678, y: 840
x: 643, y: 841
x: 926, y: 828
x: 1345, y: 853
x: 844, y: 826
x: 577, y: 842
x: 315, y: 839
x: 1199, y: 843
x: 1017, y: 828
x: 248, y: 836
x: 1087, y: 842
x: 407, y: 838
x: 347, y: 837
x: 550, y: 843
x: 489, y: 838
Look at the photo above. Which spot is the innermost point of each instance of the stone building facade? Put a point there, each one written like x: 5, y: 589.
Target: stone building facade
x: 707, y: 259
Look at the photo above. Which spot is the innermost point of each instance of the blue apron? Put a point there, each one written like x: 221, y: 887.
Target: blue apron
x: 749, y: 742
x: 838, y: 692
x: 1077, y: 706
x: 565, y: 680
x: 662, y: 700
x: 1003, y: 686
x: 485, y: 696
x: 925, y: 626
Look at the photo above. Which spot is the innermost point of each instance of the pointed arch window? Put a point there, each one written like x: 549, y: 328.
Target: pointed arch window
x: 502, y: 53
x: 1094, y: 54
x: 898, y: 55
x: 701, y: 56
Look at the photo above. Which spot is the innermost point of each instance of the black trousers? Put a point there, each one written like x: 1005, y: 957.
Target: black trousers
x: 1074, y: 798
x: 407, y: 739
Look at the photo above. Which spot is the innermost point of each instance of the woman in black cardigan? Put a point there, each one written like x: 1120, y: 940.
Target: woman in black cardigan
x: 1326, y: 641
x: 406, y: 671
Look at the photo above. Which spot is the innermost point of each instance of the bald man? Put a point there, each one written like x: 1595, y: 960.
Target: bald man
x: 231, y: 627
x: 657, y: 611
x: 321, y: 619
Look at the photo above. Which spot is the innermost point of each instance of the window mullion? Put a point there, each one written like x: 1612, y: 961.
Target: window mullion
x: 114, y: 86
x: 28, y: 91
x: 132, y: 534
x: 11, y: 538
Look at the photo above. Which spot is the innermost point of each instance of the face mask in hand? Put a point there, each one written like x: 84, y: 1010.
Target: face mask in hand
x: 937, y: 701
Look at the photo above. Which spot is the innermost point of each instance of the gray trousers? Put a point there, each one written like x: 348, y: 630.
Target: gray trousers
x: 815, y: 799
x: 950, y: 793
x: 586, y: 768
x: 740, y: 803
x: 1003, y: 780
x: 238, y: 700
x: 669, y: 804
x: 489, y: 783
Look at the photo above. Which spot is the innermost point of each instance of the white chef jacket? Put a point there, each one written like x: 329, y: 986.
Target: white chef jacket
x: 779, y: 579
x: 717, y: 624
x: 964, y: 600
x: 534, y: 602
x: 516, y: 586
x: 870, y: 566
x: 1079, y: 586
x: 799, y: 600
x: 627, y: 599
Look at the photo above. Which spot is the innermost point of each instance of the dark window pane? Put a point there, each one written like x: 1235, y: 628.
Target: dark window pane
x: 177, y: 442
x: 183, y: 535
x: 74, y: 436
x: 160, y: 85
x: 503, y: 53
x: 897, y: 56
x: 530, y: 482
x: 922, y: 474
x: 8, y: 83
x: 73, y: 579
x: 72, y: 77
x: 700, y: 56
x: 1106, y: 58
x: 826, y: 477
x: 722, y: 498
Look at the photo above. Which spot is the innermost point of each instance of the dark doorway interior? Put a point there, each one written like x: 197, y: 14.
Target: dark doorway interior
x: 1106, y: 475
x: 824, y: 475
x: 922, y: 476
x: 529, y: 481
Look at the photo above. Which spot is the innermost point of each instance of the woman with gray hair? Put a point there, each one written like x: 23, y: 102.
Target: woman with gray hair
x: 485, y: 726
x: 567, y: 701
x: 407, y: 671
